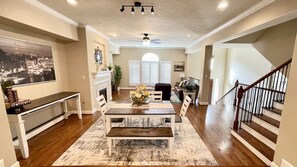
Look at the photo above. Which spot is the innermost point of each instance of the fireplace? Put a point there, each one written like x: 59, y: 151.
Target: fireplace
x: 102, y: 85
x: 103, y: 92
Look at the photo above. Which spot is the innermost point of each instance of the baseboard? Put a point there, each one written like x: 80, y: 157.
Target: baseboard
x: 273, y: 164
x: 82, y: 111
x: 128, y: 88
x: 286, y: 164
x: 17, y: 164
x: 203, y: 103
x: 88, y: 111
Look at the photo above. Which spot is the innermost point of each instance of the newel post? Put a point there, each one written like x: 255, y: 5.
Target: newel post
x: 239, y: 97
x: 235, y: 98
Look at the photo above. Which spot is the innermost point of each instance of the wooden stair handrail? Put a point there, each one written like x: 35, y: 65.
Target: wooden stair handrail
x: 234, y: 87
x: 267, y: 75
x: 242, y: 90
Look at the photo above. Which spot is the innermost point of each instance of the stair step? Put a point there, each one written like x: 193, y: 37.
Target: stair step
x: 273, y: 113
x: 274, y: 110
x: 263, y: 131
x: 257, y: 144
x: 278, y: 105
x: 269, y: 120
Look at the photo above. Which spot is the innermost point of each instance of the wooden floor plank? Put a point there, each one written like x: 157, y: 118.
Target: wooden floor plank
x: 212, y: 123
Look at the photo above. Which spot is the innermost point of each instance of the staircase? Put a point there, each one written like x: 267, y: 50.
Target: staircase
x: 258, y: 113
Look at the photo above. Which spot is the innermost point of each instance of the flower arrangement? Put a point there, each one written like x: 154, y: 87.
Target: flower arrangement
x: 140, y: 95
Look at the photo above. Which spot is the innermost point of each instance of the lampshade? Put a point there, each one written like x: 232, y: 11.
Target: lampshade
x: 182, y: 75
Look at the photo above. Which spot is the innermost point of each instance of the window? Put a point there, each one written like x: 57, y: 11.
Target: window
x: 165, y: 71
x: 134, y: 72
x: 149, y: 70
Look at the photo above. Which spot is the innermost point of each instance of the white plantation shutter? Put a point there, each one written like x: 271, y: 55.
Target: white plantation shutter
x: 150, y: 72
x: 154, y: 71
x: 165, y: 71
x: 145, y: 67
x: 134, y: 72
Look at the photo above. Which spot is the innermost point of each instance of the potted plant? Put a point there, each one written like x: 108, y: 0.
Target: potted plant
x: 109, y: 67
x: 117, y: 75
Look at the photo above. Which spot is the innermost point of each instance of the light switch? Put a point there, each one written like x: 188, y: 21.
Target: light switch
x: 83, y: 77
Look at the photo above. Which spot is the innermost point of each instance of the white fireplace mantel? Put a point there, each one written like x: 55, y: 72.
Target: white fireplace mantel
x: 101, y: 74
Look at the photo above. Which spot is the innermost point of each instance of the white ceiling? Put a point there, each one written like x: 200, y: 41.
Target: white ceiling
x: 172, y: 22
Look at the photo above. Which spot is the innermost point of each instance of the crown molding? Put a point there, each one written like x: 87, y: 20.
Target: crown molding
x: 148, y: 47
x: 114, y: 44
x: 246, y: 13
x: 192, y: 51
x: 51, y: 11
x: 97, y: 32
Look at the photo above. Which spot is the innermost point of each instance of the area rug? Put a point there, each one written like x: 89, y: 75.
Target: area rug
x: 91, y: 149
x: 174, y: 98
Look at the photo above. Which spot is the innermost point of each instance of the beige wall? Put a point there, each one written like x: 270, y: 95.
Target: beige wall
x: 7, y: 151
x: 245, y: 65
x: 277, y: 43
x: 78, y: 71
x: 287, y: 140
x: 81, y: 65
x: 27, y: 16
x: 93, y: 41
x: 137, y: 53
x: 195, y: 64
x: 218, y: 72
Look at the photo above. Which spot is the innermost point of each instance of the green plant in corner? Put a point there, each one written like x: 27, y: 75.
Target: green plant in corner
x: 117, y: 75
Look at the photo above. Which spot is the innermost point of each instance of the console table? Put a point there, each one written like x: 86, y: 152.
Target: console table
x: 15, y: 117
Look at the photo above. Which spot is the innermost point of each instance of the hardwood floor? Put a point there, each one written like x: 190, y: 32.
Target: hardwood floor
x: 212, y: 123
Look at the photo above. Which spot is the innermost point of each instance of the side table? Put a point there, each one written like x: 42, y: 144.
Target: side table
x: 190, y: 94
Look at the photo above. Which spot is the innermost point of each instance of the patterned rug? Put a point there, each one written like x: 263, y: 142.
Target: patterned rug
x: 174, y: 98
x: 91, y: 149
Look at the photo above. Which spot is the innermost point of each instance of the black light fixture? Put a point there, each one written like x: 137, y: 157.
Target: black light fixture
x: 132, y: 10
x: 138, y: 5
x: 122, y: 9
x: 152, y: 10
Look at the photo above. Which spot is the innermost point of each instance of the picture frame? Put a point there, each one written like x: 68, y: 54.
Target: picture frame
x: 179, y: 66
x: 24, y: 62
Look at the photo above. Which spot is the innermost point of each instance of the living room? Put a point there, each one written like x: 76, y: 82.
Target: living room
x: 73, y: 46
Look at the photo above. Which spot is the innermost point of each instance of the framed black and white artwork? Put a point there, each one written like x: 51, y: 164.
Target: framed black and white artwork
x: 23, y: 62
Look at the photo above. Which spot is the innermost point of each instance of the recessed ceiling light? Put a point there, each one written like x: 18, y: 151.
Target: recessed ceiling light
x: 114, y: 34
x: 222, y: 5
x: 188, y: 35
x: 72, y: 2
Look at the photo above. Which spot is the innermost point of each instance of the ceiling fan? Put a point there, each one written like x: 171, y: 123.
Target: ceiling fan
x: 146, y: 40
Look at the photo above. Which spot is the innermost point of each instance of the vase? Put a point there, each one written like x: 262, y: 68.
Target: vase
x: 139, y: 102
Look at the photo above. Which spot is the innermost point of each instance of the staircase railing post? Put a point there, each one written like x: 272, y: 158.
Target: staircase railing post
x: 235, y: 98
x: 239, y: 98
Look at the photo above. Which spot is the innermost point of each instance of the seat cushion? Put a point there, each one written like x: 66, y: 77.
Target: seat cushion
x: 178, y: 119
x: 117, y: 120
